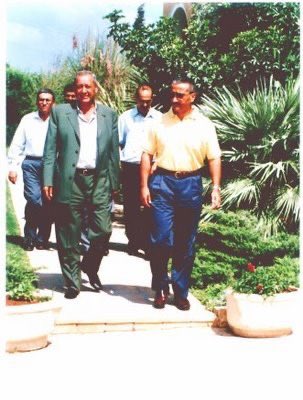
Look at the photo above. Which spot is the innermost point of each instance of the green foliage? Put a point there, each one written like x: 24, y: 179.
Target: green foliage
x: 259, y: 134
x: 227, y: 242
x: 21, y: 280
x: 212, y: 296
x: 281, y: 277
x: 154, y: 48
x: 21, y: 89
x: 224, y: 43
x: 270, y: 48
x: 213, y: 267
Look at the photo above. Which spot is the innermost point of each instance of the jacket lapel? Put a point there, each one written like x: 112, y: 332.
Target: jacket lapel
x: 100, y: 123
x: 101, y: 133
x: 72, y: 116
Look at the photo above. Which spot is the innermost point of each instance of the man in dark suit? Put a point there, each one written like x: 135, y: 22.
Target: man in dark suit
x: 81, y: 168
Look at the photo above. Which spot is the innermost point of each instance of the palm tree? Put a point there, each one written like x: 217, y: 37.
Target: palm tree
x: 259, y: 134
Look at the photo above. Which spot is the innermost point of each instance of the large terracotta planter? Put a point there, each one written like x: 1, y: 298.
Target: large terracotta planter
x: 27, y: 327
x: 252, y: 315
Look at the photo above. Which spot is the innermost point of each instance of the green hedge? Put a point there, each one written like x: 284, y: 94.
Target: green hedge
x: 227, y: 242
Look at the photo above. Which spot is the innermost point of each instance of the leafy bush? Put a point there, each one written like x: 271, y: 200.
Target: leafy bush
x: 212, y: 267
x: 224, y: 43
x: 281, y: 277
x: 21, y: 91
x: 21, y: 279
x: 212, y: 296
x: 227, y: 242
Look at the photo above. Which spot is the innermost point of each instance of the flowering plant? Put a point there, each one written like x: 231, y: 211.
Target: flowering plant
x: 283, y: 276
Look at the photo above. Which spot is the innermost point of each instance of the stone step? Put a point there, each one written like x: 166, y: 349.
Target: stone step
x: 126, y: 308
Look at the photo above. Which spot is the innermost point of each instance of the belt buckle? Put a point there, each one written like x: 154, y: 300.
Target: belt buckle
x: 85, y: 172
x: 178, y: 174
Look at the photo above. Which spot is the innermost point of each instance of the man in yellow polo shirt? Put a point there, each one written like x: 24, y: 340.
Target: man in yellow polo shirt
x: 181, y: 142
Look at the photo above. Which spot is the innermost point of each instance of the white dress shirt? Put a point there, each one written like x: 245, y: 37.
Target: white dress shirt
x: 132, y: 127
x: 28, y: 139
x: 88, y: 140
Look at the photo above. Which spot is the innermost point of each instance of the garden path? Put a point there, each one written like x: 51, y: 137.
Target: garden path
x: 126, y: 301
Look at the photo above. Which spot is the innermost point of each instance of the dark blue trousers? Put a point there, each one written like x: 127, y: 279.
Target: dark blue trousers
x: 38, y: 214
x: 176, y: 209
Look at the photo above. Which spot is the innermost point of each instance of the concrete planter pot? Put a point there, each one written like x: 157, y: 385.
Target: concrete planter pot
x: 27, y: 327
x: 251, y: 315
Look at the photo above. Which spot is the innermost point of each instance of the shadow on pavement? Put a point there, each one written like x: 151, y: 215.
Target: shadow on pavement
x: 134, y: 294
x: 14, y: 239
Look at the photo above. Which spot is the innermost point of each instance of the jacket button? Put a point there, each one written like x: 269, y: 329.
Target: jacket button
x: 76, y: 151
x: 74, y: 165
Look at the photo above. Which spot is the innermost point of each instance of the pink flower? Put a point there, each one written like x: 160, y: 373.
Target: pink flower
x: 251, y: 267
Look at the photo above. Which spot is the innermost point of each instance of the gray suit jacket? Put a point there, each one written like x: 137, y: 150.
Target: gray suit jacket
x: 61, y: 152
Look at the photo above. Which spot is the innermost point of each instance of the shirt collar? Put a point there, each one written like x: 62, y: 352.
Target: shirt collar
x: 37, y: 116
x: 80, y: 112
x: 150, y: 113
x: 193, y: 115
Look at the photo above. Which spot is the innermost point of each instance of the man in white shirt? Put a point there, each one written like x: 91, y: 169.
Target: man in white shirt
x: 133, y: 125
x: 26, y: 150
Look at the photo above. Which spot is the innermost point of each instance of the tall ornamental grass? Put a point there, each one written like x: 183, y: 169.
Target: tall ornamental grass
x: 117, y: 77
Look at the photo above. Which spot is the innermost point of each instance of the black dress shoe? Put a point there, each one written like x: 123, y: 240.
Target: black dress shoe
x: 42, y: 246
x: 71, y: 293
x: 95, y: 282
x: 160, y: 299
x: 181, y: 303
x: 28, y: 245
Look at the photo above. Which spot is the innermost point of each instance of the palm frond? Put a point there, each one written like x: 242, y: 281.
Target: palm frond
x: 288, y: 203
x: 239, y: 192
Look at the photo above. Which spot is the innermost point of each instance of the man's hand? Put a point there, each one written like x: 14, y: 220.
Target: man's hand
x: 215, y: 199
x: 12, y: 176
x: 145, y: 197
x: 48, y: 192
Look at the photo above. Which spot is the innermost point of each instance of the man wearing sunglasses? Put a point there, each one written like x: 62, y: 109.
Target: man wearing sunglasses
x: 181, y: 143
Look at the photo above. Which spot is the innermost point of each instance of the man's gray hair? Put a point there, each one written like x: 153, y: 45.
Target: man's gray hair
x: 192, y: 87
x: 86, y: 72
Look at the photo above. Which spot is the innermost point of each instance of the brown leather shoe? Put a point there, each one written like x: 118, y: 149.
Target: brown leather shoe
x: 160, y: 299
x: 182, y: 304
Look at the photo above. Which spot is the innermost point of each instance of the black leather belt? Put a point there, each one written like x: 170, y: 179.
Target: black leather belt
x: 33, y: 158
x: 178, y: 174
x: 85, y: 171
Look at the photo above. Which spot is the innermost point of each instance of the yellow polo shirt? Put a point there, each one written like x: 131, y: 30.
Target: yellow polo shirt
x: 182, y: 145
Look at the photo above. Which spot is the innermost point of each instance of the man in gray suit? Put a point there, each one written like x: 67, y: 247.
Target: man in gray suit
x: 81, y: 167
